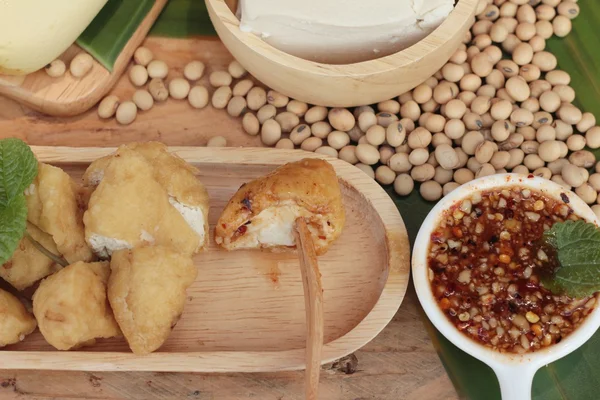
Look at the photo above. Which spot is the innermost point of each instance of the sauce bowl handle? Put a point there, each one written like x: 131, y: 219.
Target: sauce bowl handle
x: 515, y: 381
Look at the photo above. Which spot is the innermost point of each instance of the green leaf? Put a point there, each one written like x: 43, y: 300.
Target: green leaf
x: 118, y: 20
x: 183, y: 18
x: 577, y: 244
x: 551, y: 284
x: 112, y: 28
x: 13, y: 220
x: 18, y: 168
x: 577, y: 54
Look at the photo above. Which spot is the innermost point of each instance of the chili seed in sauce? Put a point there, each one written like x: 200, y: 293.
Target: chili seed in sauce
x: 486, y: 258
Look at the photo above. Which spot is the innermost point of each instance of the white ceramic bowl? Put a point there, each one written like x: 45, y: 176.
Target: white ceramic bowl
x: 514, y: 371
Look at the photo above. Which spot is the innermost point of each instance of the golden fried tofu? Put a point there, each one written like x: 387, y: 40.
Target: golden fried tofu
x: 147, y: 292
x: 15, y: 321
x: 71, y: 306
x: 165, y: 203
x: 175, y: 175
x: 28, y: 265
x: 53, y: 206
x: 263, y: 212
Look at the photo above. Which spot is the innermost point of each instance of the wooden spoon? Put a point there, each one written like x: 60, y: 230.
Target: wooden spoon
x: 313, y: 297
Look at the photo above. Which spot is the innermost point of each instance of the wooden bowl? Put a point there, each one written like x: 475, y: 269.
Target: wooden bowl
x: 345, y: 85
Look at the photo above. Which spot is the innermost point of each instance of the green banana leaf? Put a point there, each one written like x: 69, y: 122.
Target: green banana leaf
x: 574, y: 377
x: 183, y: 18
x: 118, y: 20
x: 112, y: 28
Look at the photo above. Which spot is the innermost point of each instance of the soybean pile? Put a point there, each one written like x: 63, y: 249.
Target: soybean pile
x: 499, y: 105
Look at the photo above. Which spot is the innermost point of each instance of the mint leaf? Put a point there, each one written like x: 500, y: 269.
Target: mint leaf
x: 18, y: 168
x: 13, y: 220
x: 577, y: 245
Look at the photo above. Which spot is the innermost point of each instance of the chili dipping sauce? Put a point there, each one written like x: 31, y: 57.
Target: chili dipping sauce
x: 485, y: 261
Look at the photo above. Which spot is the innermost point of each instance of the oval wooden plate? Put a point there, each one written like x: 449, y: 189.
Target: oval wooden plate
x: 245, y: 312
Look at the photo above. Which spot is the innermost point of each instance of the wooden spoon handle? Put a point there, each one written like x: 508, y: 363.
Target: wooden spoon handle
x: 313, y: 297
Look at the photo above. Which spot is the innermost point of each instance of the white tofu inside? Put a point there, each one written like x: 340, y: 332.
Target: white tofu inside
x: 105, y: 246
x: 274, y: 227
x: 96, y: 177
x: 192, y: 215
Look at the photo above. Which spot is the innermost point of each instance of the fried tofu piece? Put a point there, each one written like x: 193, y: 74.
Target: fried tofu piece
x: 28, y: 265
x: 263, y: 212
x: 53, y: 206
x: 165, y: 203
x: 15, y: 321
x: 71, y: 306
x: 147, y: 292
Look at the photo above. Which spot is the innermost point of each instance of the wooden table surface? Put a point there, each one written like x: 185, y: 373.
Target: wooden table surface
x: 400, y: 363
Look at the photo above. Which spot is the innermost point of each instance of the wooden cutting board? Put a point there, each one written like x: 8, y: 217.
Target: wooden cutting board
x: 173, y: 122
x: 67, y: 96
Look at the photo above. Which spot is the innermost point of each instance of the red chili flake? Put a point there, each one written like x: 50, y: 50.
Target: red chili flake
x: 450, y: 289
x: 531, y: 285
x: 438, y: 267
x: 322, y: 237
x: 436, y: 237
x: 456, y: 231
x: 242, y: 229
x: 500, y: 307
x: 224, y: 226
x: 483, y: 335
x: 444, y: 304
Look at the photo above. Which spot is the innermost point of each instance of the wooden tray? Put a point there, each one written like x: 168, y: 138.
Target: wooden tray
x: 245, y: 312
x: 68, y: 96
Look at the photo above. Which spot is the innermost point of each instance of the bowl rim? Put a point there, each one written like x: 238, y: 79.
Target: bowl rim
x: 461, y: 14
x: 495, y: 359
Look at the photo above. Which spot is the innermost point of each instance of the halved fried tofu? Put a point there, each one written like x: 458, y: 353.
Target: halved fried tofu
x: 130, y: 208
x: 155, y: 169
x: 263, y: 212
